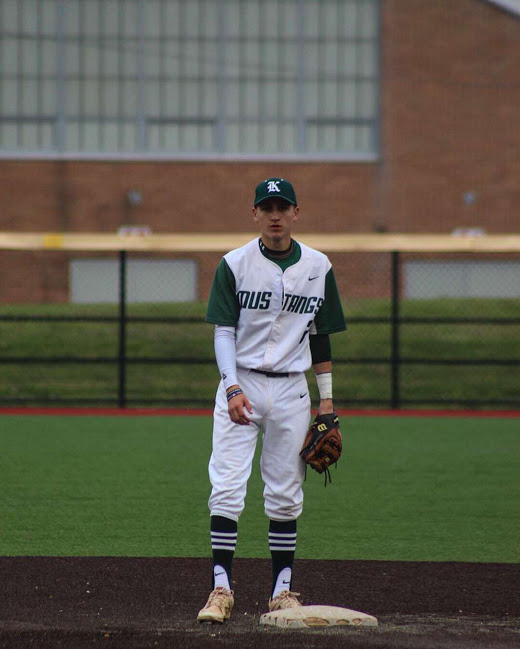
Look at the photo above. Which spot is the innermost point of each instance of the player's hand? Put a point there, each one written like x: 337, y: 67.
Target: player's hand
x: 237, y: 408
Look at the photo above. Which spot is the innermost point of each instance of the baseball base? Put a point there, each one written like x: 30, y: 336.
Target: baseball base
x: 317, y: 616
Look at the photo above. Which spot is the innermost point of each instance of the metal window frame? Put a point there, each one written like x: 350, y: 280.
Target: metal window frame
x: 219, y: 124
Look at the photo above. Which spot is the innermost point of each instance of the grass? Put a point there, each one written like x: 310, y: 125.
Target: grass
x: 356, y: 380
x: 411, y: 488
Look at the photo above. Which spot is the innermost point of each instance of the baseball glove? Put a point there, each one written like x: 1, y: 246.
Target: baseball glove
x: 323, y: 444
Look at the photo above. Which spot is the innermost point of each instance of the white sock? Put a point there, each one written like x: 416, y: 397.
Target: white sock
x: 221, y: 577
x: 283, y: 581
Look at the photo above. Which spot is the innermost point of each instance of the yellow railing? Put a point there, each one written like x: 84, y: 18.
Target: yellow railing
x: 216, y: 242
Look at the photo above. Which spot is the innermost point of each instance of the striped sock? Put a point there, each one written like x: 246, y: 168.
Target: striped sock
x: 282, y: 543
x: 223, y: 543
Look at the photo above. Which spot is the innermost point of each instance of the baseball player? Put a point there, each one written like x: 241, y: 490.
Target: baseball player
x: 273, y: 302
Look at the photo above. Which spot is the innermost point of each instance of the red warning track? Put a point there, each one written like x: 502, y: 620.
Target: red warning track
x: 190, y: 412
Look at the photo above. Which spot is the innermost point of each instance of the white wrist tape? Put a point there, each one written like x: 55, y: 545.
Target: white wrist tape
x: 324, y: 382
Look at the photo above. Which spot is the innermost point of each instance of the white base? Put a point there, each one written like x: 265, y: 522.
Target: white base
x: 317, y: 616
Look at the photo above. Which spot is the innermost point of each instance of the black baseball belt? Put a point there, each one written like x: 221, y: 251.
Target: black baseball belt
x: 273, y: 375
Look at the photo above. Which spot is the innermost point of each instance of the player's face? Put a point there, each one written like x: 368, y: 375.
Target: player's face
x: 275, y: 218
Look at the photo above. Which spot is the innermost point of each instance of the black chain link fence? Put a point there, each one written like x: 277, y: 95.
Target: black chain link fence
x: 424, y: 331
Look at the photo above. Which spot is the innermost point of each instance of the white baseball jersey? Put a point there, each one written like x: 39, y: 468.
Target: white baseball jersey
x: 275, y: 310
x: 273, y: 304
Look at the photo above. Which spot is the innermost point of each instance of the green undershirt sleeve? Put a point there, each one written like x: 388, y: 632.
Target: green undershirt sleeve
x: 223, y: 306
x: 330, y: 318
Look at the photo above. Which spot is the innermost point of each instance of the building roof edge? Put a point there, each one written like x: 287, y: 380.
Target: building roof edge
x: 512, y: 6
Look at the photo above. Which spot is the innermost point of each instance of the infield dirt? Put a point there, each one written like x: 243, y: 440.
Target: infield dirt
x: 137, y: 603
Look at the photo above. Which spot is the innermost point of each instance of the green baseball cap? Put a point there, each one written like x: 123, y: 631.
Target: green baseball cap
x: 275, y: 188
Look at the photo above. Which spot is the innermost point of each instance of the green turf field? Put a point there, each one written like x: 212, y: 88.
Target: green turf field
x: 407, y: 488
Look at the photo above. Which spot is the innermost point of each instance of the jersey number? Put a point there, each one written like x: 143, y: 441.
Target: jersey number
x: 306, y: 331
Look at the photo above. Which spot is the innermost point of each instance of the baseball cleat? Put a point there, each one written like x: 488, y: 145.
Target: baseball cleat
x: 218, y: 607
x: 284, y: 600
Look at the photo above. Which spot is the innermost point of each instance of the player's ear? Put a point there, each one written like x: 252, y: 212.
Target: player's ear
x: 255, y: 217
x: 295, y: 213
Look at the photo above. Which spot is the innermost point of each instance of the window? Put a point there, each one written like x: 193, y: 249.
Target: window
x: 190, y: 77
x: 447, y: 278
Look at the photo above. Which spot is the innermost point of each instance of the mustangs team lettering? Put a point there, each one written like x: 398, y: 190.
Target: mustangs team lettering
x: 291, y: 303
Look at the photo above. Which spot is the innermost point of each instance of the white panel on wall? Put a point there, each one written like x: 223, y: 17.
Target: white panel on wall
x: 433, y: 279
x: 148, y: 280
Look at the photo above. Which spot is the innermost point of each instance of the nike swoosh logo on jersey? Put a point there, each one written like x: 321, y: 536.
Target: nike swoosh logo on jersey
x: 217, y: 574
x: 302, y: 395
x: 311, y: 278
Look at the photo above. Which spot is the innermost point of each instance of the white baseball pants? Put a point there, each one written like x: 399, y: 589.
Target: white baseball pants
x: 281, y: 409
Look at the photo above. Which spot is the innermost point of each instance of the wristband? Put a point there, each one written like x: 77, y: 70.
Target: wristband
x: 324, y: 382
x: 233, y: 393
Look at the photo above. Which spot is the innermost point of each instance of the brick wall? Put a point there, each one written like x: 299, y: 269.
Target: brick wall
x: 450, y: 109
x: 451, y: 102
